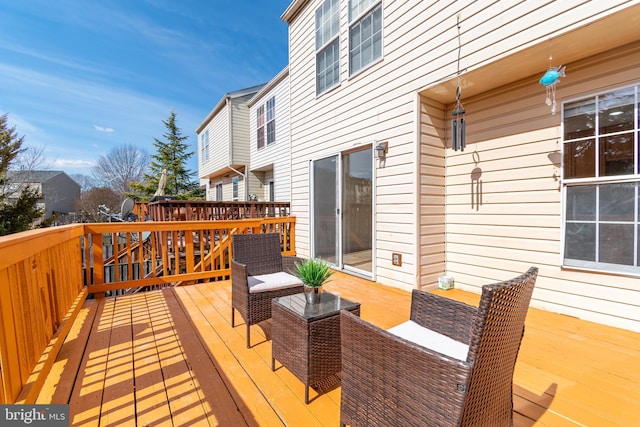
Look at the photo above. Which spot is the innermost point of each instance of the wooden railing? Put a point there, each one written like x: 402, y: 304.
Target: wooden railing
x: 41, y: 291
x: 185, y: 210
x: 46, y: 275
x: 125, y: 256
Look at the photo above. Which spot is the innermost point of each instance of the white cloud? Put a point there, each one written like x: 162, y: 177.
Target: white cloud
x: 71, y: 164
x: 103, y: 129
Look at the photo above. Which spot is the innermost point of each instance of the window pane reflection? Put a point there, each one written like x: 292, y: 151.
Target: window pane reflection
x: 615, y: 111
x: 580, y: 119
x: 581, y: 203
x: 616, y: 244
x: 580, y: 159
x: 616, y: 155
x: 580, y: 241
x: 617, y: 202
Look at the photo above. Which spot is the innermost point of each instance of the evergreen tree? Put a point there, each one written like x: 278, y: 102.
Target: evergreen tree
x: 17, y: 209
x: 172, y: 155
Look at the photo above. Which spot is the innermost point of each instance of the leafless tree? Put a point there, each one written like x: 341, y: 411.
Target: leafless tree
x: 86, y: 182
x: 88, y: 205
x: 31, y: 159
x: 121, y: 166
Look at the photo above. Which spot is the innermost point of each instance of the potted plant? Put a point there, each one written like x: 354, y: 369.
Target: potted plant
x: 314, y: 273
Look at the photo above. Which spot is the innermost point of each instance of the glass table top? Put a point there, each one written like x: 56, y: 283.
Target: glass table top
x: 329, y: 304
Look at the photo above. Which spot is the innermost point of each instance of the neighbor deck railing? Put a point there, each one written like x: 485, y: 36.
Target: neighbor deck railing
x: 46, y: 275
x: 195, y: 210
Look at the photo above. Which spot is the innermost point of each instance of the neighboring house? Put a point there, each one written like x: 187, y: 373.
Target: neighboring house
x: 269, y: 142
x: 558, y: 191
x: 59, y: 192
x: 223, y: 147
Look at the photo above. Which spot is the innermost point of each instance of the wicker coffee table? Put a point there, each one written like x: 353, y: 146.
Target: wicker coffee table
x: 305, y: 338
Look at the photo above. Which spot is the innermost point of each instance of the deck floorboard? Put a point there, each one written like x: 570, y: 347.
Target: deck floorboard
x: 170, y: 357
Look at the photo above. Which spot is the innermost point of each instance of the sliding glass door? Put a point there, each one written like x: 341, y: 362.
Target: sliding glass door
x: 342, y: 210
x: 325, y: 209
x: 357, y: 230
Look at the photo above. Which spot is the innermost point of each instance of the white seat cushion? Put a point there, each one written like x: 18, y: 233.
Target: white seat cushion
x: 272, y: 282
x: 424, y: 337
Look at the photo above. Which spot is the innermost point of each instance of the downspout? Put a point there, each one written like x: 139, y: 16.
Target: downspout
x: 230, y: 160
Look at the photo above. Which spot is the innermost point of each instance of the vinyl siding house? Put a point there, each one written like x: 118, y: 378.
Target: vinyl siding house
x: 223, y: 147
x: 558, y: 191
x: 269, y: 142
x: 59, y: 192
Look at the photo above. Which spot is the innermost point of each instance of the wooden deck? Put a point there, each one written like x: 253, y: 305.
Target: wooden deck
x: 170, y: 357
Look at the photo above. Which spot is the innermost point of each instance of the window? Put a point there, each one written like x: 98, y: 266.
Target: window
x: 365, y: 34
x: 204, y: 146
x: 271, y: 120
x: 234, y: 183
x: 327, y: 46
x: 602, y: 181
x: 260, y: 125
x: 219, y: 195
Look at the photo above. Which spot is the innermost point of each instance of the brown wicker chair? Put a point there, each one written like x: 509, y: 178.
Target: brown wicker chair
x: 391, y: 381
x: 255, y: 255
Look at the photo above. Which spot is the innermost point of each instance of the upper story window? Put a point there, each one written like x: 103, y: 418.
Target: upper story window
x: 204, y: 146
x: 601, y: 171
x: 271, y: 120
x: 260, y: 125
x: 365, y: 33
x: 327, y: 46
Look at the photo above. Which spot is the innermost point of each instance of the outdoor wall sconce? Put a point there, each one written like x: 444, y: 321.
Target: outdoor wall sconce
x: 381, y: 150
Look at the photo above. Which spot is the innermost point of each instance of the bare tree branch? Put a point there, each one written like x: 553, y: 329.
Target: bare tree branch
x: 122, y: 165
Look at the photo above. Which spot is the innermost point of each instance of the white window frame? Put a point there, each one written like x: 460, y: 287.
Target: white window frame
x: 270, y: 120
x: 359, y: 11
x: 204, y: 146
x: 597, y: 182
x: 260, y: 127
x: 219, y: 192
x: 327, y: 42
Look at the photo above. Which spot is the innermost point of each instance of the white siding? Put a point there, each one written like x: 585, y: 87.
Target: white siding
x: 218, y: 143
x: 515, y: 220
x: 380, y: 104
x: 432, y: 189
x: 240, y: 135
x: 273, y: 160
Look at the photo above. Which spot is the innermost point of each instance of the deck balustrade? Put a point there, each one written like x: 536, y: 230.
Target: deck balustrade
x: 47, y: 274
x: 191, y: 210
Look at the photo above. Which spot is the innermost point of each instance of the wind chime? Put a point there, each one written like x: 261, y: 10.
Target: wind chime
x: 457, y: 124
x: 457, y: 115
x: 549, y: 80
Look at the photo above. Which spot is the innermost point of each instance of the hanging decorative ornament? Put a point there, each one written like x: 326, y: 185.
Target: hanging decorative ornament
x: 549, y: 80
x: 457, y: 115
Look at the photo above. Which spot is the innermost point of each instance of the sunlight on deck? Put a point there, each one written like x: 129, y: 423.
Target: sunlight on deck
x: 171, y: 358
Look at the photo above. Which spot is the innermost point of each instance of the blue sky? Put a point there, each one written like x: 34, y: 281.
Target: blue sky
x: 79, y: 77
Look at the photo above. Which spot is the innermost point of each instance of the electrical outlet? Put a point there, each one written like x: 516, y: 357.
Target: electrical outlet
x: 396, y: 259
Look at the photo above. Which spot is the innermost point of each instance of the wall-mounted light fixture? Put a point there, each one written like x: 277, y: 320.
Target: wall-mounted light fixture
x: 381, y: 150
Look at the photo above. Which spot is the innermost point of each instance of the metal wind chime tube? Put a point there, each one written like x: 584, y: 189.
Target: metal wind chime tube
x: 458, y: 125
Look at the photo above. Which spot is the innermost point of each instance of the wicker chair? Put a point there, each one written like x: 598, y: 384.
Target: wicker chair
x: 259, y: 255
x: 388, y: 380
